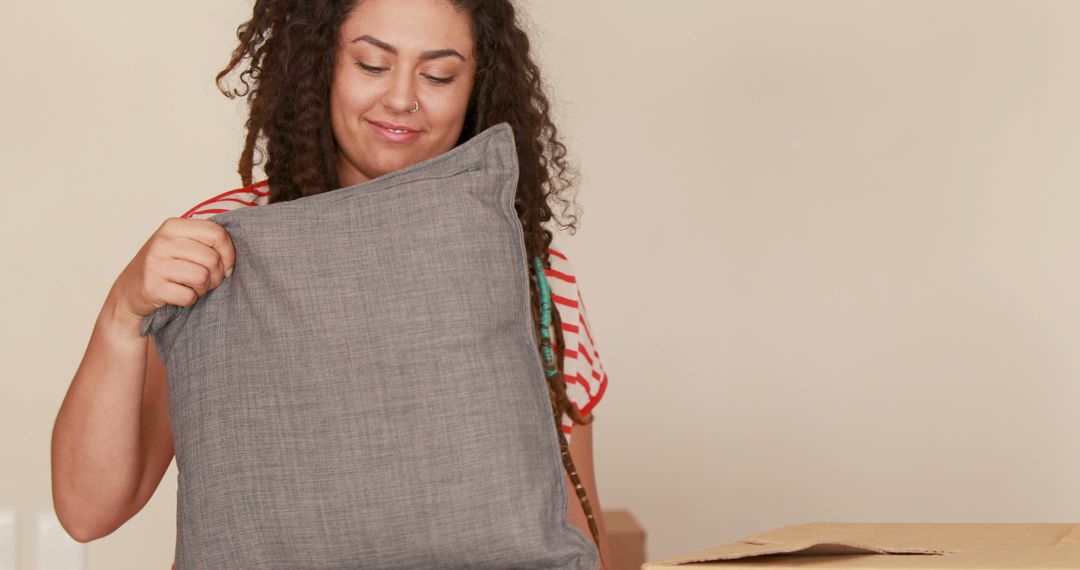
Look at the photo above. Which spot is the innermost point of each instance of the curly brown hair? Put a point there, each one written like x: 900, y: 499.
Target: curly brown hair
x: 291, y: 49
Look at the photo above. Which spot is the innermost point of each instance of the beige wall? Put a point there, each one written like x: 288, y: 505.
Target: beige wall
x: 829, y: 249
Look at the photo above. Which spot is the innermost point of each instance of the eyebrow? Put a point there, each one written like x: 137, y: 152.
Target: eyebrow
x: 430, y: 54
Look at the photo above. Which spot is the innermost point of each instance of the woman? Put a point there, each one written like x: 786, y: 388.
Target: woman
x: 342, y: 92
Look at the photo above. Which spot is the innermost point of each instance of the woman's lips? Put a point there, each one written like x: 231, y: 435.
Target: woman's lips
x: 394, y: 135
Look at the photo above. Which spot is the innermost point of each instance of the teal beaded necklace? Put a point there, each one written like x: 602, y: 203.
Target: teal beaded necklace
x: 550, y: 367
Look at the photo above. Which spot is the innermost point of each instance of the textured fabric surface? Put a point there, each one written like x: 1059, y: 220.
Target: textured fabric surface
x: 376, y: 408
x: 586, y: 378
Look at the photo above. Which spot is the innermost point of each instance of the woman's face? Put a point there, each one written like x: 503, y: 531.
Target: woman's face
x: 393, y: 55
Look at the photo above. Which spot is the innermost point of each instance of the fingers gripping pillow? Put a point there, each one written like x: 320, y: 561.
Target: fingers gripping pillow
x: 365, y: 390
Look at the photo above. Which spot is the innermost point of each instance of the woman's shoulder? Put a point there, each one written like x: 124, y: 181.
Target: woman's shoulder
x: 561, y: 274
x: 256, y: 194
x: 563, y: 283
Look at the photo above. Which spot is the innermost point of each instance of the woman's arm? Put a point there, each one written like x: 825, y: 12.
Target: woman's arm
x: 582, y: 453
x: 111, y: 439
x: 99, y: 437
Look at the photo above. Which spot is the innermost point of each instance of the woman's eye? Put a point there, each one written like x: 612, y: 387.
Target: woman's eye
x: 370, y: 68
x: 441, y: 80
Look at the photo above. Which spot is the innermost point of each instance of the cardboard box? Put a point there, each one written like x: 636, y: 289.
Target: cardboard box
x: 871, y: 546
x: 626, y: 540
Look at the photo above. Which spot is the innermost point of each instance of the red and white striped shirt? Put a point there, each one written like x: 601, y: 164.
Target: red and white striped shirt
x: 586, y: 380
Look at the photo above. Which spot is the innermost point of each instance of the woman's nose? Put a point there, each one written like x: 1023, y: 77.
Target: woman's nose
x: 401, y: 92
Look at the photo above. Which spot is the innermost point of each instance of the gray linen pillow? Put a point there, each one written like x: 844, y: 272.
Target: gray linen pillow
x: 364, y: 391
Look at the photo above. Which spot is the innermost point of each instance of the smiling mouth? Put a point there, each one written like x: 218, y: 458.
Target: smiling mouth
x: 394, y: 134
x: 392, y: 127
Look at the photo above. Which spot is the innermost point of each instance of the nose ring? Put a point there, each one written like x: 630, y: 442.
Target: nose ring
x: 416, y: 107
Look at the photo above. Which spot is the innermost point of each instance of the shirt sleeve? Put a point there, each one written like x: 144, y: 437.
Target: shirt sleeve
x: 254, y: 195
x: 586, y: 379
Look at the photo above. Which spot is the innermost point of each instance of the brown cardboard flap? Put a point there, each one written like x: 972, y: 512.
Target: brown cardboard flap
x: 933, y: 539
x: 813, y: 538
x: 1071, y: 538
